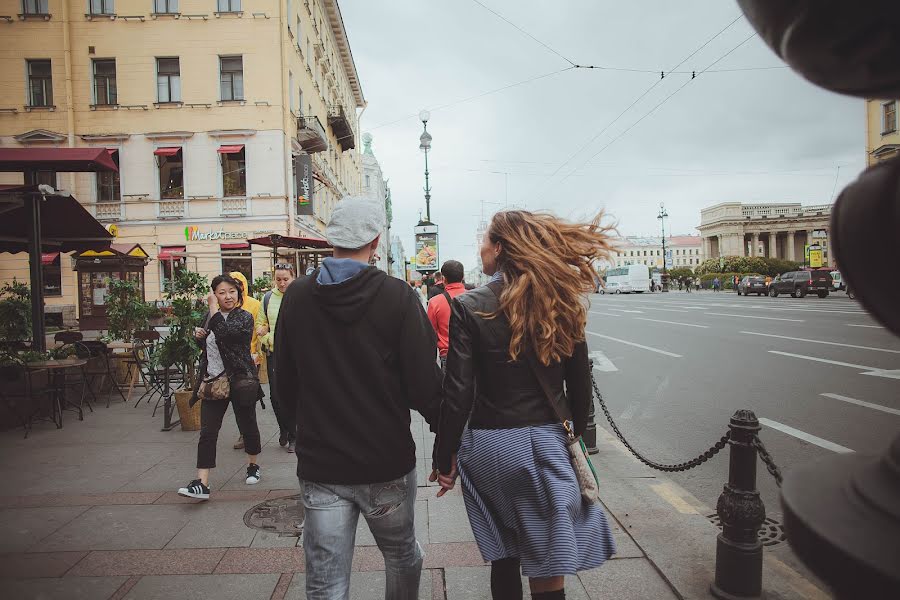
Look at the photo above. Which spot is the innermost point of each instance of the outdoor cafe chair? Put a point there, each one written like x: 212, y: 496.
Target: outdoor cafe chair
x: 98, y: 370
x: 77, y: 380
x: 68, y: 337
x: 21, y: 390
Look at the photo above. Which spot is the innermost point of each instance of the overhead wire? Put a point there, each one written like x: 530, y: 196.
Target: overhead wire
x: 545, y: 45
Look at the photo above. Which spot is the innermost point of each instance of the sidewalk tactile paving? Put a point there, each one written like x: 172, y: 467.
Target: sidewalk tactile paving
x: 38, y: 564
x: 149, y: 562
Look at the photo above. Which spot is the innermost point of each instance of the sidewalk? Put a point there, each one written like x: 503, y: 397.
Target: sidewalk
x: 90, y: 512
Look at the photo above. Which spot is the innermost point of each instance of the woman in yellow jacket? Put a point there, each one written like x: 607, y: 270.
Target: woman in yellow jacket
x: 251, y: 305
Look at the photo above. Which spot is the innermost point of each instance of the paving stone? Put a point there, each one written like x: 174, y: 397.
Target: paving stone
x: 625, y: 547
x: 265, y: 539
x: 363, y: 586
x: 39, y: 564
x: 171, y: 475
x: 626, y: 579
x: 204, y: 587
x: 63, y: 479
x: 67, y: 588
x: 148, y: 562
x: 118, y: 528
x: 79, y: 499
x: 214, y: 525
x: 22, y: 528
x: 448, y: 521
x: 474, y: 583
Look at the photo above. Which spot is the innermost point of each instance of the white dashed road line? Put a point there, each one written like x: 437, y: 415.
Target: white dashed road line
x: 672, y: 322
x: 869, y: 326
x: 784, y: 337
x: 895, y: 374
x: 626, y: 342
x: 755, y: 317
x: 892, y: 411
x: 601, y: 362
x: 806, y: 437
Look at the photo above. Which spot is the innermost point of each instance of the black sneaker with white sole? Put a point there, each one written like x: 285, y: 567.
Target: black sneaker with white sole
x: 195, y: 489
x: 253, y: 474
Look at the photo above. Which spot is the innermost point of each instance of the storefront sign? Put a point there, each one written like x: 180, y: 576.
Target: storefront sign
x: 194, y: 234
x: 304, y: 183
x: 426, y: 259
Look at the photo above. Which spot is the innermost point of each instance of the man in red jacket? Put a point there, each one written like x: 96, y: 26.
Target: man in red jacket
x: 439, y: 306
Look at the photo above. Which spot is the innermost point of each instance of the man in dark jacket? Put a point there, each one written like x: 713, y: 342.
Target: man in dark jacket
x: 438, y: 287
x: 367, y: 353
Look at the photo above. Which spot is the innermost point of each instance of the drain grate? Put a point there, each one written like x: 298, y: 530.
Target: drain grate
x: 771, y: 532
x: 283, y: 516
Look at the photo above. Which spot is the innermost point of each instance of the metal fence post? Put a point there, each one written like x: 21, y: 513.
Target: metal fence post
x: 739, y: 553
x: 590, y: 432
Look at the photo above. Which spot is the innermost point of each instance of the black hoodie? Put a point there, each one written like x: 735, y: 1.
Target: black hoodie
x: 352, y: 359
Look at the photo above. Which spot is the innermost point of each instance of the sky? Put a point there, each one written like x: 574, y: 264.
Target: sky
x: 515, y: 125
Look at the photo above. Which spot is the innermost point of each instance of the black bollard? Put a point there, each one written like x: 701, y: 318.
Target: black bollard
x: 739, y: 553
x: 590, y: 432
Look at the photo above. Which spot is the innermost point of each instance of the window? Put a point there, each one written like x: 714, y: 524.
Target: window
x: 52, y: 274
x: 105, y: 82
x: 234, y: 171
x: 299, y: 37
x: 889, y: 117
x: 291, y: 90
x: 233, y: 260
x: 231, y: 77
x: 108, y: 182
x: 168, y: 80
x: 41, y: 178
x: 367, y: 182
x: 171, y: 173
x: 229, y: 5
x: 102, y: 7
x: 165, y: 6
x: 35, y: 7
x: 300, y: 100
x: 170, y: 264
x: 40, y: 83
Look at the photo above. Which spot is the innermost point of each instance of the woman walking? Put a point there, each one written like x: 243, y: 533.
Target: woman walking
x: 514, y: 345
x: 225, y: 340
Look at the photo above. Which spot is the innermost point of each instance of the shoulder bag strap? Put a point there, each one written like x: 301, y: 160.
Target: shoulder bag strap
x: 266, y: 299
x: 448, y: 297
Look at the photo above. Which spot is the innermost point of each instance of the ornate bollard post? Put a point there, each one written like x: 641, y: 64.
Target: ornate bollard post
x: 739, y: 553
x: 590, y: 432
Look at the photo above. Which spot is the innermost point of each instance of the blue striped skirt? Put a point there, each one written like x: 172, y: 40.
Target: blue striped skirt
x: 523, y: 501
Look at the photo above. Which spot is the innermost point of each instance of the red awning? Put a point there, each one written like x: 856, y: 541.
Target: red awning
x: 238, y: 246
x: 167, y: 151
x: 167, y: 253
x: 63, y: 160
x: 48, y: 258
x: 230, y: 149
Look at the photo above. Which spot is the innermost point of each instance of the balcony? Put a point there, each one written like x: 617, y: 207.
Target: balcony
x: 340, y: 124
x: 311, y: 134
x: 234, y: 207
x: 171, y: 209
x: 108, y: 211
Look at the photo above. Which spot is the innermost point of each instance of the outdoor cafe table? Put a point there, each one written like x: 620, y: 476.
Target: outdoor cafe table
x: 57, y: 368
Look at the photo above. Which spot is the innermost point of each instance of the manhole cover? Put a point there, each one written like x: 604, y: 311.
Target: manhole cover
x: 771, y: 532
x: 283, y: 516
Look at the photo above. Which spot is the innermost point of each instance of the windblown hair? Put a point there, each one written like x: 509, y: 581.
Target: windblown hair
x: 547, y: 264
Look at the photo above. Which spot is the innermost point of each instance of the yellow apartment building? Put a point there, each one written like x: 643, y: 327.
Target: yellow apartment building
x: 882, y: 133
x: 229, y: 119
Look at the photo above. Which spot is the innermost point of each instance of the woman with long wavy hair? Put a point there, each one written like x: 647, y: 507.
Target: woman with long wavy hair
x: 516, y: 345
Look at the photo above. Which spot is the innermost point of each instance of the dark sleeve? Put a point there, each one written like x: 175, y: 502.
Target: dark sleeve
x: 459, y: 385
x: 418, y: 360
x: 286, y: 377
x: 578, y: 386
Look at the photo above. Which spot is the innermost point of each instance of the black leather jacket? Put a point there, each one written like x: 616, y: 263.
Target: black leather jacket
x: 484, y: 387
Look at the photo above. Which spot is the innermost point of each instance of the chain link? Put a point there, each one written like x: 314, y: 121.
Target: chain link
x: 764, y: 455
x: 684, y: 466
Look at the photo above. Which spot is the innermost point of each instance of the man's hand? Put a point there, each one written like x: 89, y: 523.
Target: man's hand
x: 447, y: 482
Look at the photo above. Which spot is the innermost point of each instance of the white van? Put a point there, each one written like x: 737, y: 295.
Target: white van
x: 627, y: 279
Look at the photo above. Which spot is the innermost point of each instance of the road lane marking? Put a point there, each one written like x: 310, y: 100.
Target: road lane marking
x: 886, y: 409
x: 671, y: 322
x: 895, y: 374
x: 784, y: 337
x: 869, y: 326
x: 755, y: 317
x: 825, y: 360
x: 627, y: 311
x: 601, y: 362
x: 806, y: 437
x: 651, y: 349
x: 668, y: 493
x: 605, y: 314
x: 629, y: 412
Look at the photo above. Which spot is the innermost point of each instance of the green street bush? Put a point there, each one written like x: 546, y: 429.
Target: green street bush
x: 746, y: 265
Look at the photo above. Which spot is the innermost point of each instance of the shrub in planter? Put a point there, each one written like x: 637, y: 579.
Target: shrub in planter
x: 15, y: 312
x: 126, y: 310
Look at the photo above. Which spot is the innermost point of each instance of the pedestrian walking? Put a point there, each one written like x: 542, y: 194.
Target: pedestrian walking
x: 372, y: 362
x: 514, y: 344
x: 266, y: 321
x: 251, y: 305
x: 422, y: 292
x: 228, y: 375
x: 437, y: 288
x: 439, y: 307
x: 716, y: 284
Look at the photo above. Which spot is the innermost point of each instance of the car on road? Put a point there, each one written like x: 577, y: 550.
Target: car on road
x: 752, y: 284
x: 837, y: 282
x: 800, y: 283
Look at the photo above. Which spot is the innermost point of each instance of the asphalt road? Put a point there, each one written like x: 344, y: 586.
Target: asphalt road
x: 674, y: 367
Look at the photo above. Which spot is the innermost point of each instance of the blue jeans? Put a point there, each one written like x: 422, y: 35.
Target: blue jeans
x: 329, y: 535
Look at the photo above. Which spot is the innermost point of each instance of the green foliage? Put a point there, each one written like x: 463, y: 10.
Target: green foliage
x: 681, y: 274
x: 126, y: 310
x: 261, y: 285
x: 747, y: 265
x: 186, y: 294
x: 15, y: 312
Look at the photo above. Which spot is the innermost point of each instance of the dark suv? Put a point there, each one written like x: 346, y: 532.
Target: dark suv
x: 800, y: 283
x: 752, y: 284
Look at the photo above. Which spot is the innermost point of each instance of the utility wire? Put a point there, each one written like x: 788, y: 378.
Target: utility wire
x: 501, y: 17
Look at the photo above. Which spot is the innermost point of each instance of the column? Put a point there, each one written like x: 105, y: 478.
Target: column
x: 773, y: 244
x: 790, y: 246
x: 754, y: 244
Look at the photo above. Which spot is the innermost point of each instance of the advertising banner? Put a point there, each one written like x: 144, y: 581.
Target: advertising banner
x: 426, y: 257
x: 304, y: 178
x: 816, y: 256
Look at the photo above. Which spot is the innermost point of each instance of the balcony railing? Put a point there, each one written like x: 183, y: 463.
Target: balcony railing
x: 108, y: 211
x: 311, y: 134
x: 234, y: 207
x: 341, y: 126
x: 171, y: 209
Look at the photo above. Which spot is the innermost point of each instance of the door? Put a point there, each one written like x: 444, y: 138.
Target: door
x: 93, y: 288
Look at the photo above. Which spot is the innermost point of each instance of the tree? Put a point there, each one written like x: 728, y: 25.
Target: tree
x: 15, y: 312
x: 747, y: 264
x: 186, y: 294
x: 126, y: 311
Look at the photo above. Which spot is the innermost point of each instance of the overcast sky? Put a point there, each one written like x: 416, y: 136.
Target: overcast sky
x: 727, y: 135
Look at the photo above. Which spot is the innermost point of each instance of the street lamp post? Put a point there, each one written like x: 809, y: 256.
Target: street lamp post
x: 662, y: 220
x: 425, y: 146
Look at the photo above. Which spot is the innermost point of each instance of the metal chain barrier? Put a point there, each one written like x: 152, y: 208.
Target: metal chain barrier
x: 685, y: 466
x: 764, y: 455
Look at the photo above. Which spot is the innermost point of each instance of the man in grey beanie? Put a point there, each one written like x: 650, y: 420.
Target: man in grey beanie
x: 366, y: 351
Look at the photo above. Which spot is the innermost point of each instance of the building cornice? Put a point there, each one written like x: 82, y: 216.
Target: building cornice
x: 340, y: 34
x: 169, y: 135
x: 226, y: 133
x: 105, y: 137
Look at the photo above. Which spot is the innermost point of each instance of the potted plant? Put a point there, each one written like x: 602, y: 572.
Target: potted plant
x: 185, y: 294
x: 15, y: 312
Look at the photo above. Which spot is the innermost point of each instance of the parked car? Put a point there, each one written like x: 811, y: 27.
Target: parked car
x: 800, y: 283
x: 752, y: 284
